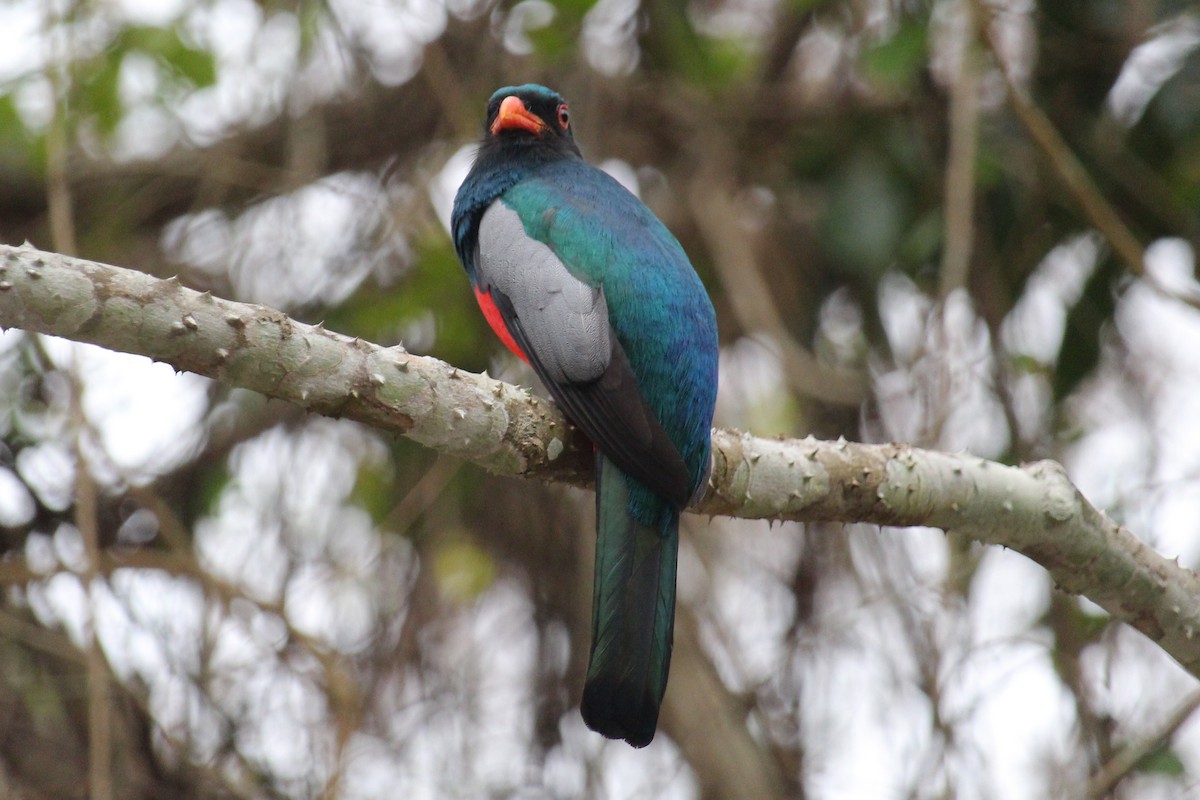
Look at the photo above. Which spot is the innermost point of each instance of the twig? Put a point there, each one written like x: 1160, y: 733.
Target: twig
x: 959, y: 200
x: 1105, y: 779
x: 1077, y: 181
x: 711, y: 204
x: 58, y: 35
x: 708, y: 722
x: 58, y: 184
x: 100, y: 779
x: 342, y: 692
x: 1069, y: 169
x: 421, y: 496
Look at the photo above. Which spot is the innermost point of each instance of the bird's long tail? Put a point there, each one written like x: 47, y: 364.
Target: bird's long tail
x: 633, y: 613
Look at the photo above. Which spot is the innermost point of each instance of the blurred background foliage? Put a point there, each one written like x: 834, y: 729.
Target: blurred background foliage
x: 962, y: 224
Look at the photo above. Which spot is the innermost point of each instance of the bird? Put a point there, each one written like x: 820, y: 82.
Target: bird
x: 582, y: 281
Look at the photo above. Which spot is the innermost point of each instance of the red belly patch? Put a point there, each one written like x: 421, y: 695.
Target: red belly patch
x: 496, y: 321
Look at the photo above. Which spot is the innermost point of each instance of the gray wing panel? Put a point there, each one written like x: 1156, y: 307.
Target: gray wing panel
x: 561, y: 324
x: 564, y: 320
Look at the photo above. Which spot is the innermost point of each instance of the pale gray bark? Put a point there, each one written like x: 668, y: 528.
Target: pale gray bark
x: 1033, y: 509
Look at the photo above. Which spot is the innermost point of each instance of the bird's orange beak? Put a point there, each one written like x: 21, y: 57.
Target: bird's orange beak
x: 514, y: 116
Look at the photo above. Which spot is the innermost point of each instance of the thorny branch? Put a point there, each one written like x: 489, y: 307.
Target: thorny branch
x: 1033, y: 509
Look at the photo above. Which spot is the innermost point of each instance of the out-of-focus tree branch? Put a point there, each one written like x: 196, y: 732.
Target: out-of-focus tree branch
x: 1125, y: 762
x: 730, y: 763
x: 711, y: 202
x: 960, y: 166
x: 1074, y: 176
x: 374, y: 125
x: 1033, y: 509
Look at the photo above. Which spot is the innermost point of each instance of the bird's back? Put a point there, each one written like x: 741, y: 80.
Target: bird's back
x: 657, y: 305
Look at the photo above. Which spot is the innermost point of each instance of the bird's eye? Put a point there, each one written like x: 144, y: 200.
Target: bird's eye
x: 564, y: 116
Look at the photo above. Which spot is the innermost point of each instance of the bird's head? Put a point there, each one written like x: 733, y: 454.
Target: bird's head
x: 530, y: 113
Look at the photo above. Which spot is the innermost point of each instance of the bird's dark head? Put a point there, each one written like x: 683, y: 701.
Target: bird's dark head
x: 528, y: 127
x: 530, y: 114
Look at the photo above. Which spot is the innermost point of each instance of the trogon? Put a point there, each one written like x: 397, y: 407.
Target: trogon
x: 583, y: 282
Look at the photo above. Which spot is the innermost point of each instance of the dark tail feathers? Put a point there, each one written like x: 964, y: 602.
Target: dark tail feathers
x: 633, y: 614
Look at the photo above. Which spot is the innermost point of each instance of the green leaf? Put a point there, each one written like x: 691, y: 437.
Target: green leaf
x: 1161, y: 761
x: 923, y: 239
x: 99, y: 95
x: 1086, y: 321
x: 553, y: 41
x: 463, y: 571
x: 182, y: 66
x: 16, y: 142
x: 197, y: 66
x: 435, y: 285
x: 574, y: 9
x: 191, y: 64
x: 868, y: 212
x: 801, y: 6
x: 11, y: 125
x: 375, y: 489
x: 181, y: 60
x: 726, y: 60
x: 1022, y: 363
x: 895, y: 64
x: 208, y: 486
x: 312, y: 17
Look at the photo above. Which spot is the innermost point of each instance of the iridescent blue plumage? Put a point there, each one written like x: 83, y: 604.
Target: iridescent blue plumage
x: 585, y: 283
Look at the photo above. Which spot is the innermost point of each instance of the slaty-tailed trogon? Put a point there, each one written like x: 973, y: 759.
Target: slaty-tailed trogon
x: 582, y: 281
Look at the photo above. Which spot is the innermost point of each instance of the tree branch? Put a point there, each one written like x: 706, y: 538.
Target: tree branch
x: 1033, y: 509
x: 1102, y: 783
x: 960, y: 163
